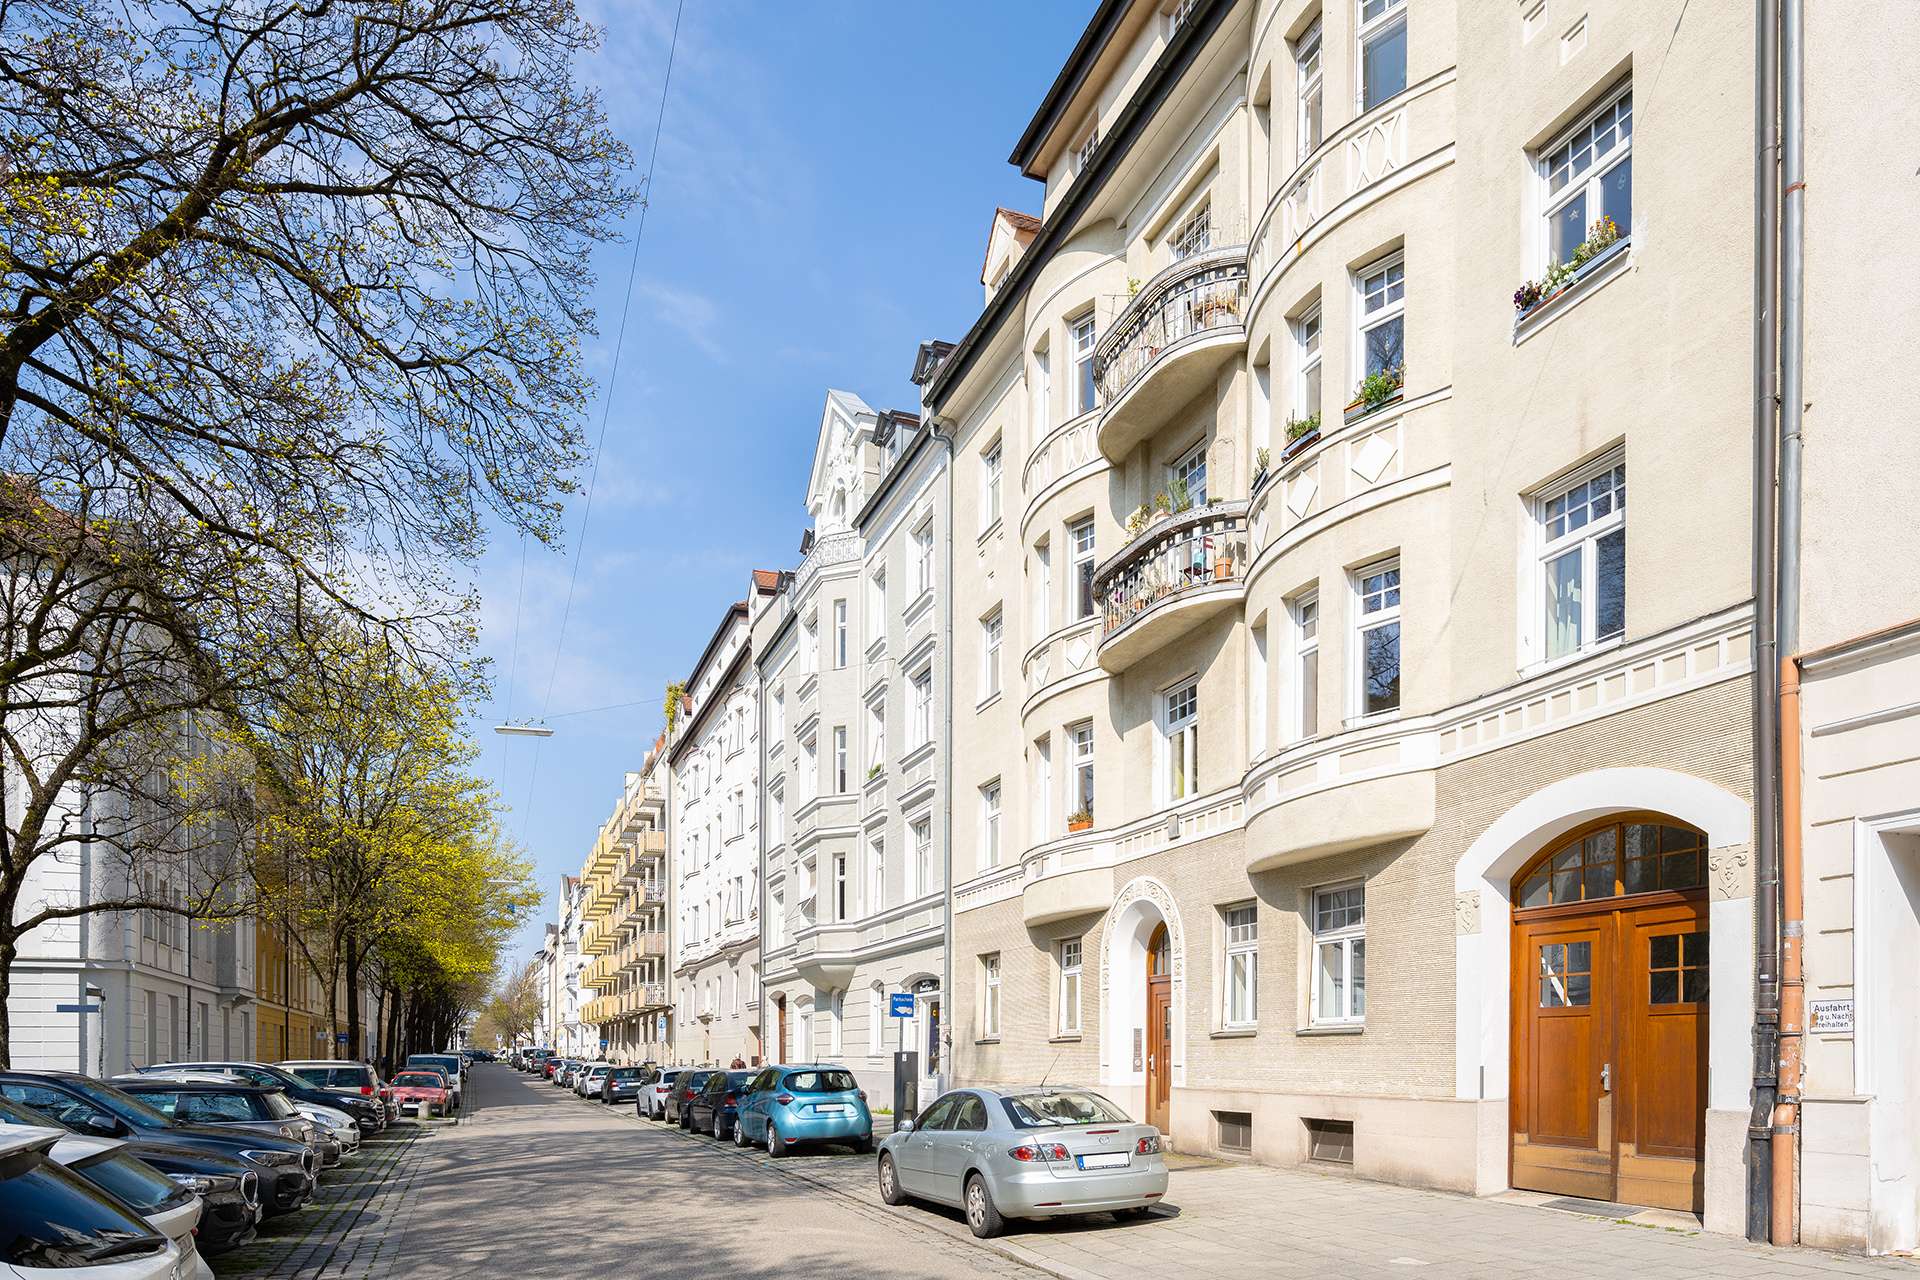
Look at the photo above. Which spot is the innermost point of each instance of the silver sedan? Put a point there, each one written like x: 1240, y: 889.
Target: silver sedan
x: 1042, y: 1152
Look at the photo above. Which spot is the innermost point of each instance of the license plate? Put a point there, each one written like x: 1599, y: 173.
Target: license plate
x: 830, y: 1109
x: 1106, y: 1160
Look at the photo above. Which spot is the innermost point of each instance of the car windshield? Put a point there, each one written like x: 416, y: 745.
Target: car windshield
x: 125, y: 1105
x: 419, y: 1080
x: 51, y: 1217
x: 133, y: 1180
x: 821, y: 1082
x: 1050, y: 1108
x: 334, y: 1077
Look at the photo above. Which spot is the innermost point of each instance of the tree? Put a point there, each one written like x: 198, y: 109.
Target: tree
x: 514, y: 1010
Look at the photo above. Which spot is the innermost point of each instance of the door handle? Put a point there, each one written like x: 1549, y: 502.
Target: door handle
x: 1606, y: 1078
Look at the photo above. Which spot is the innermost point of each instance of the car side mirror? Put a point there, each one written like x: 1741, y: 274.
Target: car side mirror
x: 101, y: 1126
x: 903, y: 1126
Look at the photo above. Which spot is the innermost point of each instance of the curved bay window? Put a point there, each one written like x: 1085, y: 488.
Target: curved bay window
x: 1616, y: 858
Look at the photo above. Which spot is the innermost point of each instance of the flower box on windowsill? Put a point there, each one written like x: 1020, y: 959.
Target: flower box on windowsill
x: 1079, y: 824
x: 1594, y: 272
x: 1360, y: 408
x: 1299, y: 445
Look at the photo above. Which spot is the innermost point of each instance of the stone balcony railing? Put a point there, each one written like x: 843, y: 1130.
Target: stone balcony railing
x: 1169, y: 578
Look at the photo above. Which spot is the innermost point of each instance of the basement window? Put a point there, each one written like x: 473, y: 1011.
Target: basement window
x: 1234, y: 1131
x: 1330, y: 1141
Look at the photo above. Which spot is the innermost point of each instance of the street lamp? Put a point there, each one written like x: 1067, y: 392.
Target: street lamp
x: 523, y: 730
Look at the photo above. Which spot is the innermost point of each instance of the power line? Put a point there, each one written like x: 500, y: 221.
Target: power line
x: 606, y: 406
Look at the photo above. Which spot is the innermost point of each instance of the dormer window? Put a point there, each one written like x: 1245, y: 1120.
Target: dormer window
x: 1178, y: 14
x: 1089, y: 143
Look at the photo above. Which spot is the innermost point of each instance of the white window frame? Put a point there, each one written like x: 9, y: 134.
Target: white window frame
x: 1089, y: 141
x: 1176, y: 15
x: 876, y: 735
x: 1583, y: 541
x: 1241, y: 938
x: 877, y: 874
x: 1080, y: 542
x: 1083, y: 337
x: 993, y: 630
x: 1179, y: 733
x: 839, y: 634
x: 1192, y: 231
x: 1258, y: 679
x: 840, y: 761
x: 923, y: 707
x: 1042, y: 393
x: 1189, y: 464
x: 1341, y: 940
x: 842, y: 890
x: 1308, y: 334
x: 1390, y: 308
x: 1393, y: 13
x: 990, y: 824
x: 810, y: 766
x: 1042, y: 587
x: 923, y: 558
x: 1069, y: 957
x: 1080, y: 777
x: 1309, y: 78
x: 922, y: 831
x: 1370, y: 616
x: 1042, y: 787
x: 877, y: 604
x: 1590, y: 183
x: 876, y: 1020
x: 991, y: 467
x: 990, y: 996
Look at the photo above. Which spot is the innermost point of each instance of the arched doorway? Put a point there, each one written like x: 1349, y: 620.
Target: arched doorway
x: 1159, y: 1026
x: 1609, y: 1020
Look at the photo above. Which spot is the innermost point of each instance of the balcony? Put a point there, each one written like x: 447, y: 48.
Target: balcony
x: 1168, y: 345
x: 1179, y: 572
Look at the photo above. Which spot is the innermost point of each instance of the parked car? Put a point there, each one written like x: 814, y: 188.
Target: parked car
x: 423, y: 1092
x: 563, y: 1072
x: 624, y: 1084
x: 286, y: 1166
x: 784, y: 1105
x: 367, y: 1113
x: 587, y: 1082
x: 550, y: 1069
x: 1044, y: 1152
x: 714, y: 1109
x: 447, y: 1062
x: 216, y: 1101
x: 54, y: 1222
x: 167, y: 1207
x: 229, y: 1190
x: 652, y: 1102
x: 539, y: 1061
x: 335, y: 1134
x: 680, y: 1097
x: 354, y: 1079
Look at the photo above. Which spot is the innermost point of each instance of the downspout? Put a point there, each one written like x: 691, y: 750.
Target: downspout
x: 946, y: 761
x: 1766, y: 1027
x: 1786, y: 1112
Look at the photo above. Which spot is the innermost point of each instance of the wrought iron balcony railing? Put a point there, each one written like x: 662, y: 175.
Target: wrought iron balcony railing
x: 1181, y: 553
x: 1200, y: 293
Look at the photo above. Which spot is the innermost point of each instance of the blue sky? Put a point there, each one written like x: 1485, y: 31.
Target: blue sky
x: 826, y: 179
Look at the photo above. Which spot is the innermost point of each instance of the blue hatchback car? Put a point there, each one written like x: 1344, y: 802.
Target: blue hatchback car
x: 812, y: 1102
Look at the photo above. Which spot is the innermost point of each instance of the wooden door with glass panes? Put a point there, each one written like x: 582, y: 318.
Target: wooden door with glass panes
x: 1609, y: 1030
x: 1159, y: 1029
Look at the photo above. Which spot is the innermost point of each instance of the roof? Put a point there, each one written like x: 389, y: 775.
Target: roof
x: 1066, y: 85
x: 1024, y: 227
x: 766, y: 580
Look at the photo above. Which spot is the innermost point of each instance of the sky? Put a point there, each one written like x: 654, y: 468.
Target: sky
x: 827, y: 175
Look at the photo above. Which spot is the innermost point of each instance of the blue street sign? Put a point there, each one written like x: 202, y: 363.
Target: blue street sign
x: 76, y: 1008
x: 340, y: 1037
x: 900, y: 1004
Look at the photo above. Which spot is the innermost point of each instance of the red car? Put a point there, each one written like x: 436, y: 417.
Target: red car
x: 423, y: 1091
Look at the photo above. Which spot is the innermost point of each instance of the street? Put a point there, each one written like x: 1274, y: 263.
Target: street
x: 536, y: 1183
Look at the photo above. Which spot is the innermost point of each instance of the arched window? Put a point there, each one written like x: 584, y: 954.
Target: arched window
x: 1637, y: 853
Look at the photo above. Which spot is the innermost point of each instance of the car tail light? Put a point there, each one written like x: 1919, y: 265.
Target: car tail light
x: 728, y: 1101
x: 784, y: 1099
x: 1045, y: 1151
x: 860, y: 1094
x: 366, y: 1091
x: 1148, y: 1146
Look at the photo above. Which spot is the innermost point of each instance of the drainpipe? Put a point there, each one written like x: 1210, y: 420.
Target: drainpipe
x: 1786, y: 1112
x: 1766, y: 183
x: 946, y: 763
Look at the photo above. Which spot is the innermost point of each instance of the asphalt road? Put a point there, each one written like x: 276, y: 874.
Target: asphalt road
x: 537, y: 1184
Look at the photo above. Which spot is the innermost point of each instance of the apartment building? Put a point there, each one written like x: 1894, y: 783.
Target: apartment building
x: 564, y: 961
x: 713, y: 755
x: 626, y: 909
x: 1334, y: 779
x: 853, y: 845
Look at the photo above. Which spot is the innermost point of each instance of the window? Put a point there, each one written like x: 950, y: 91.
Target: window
x: 1042, y: 588
x: 990, y: 996
x: 1089, y: 143
x: 1241, y: 988
x: 777, y: 925
x: 842, y: 901
x: 776, y: 817
x: 1191, y: 471
x: 1383, y: 305
x: 1177, y: 15
x: 1340, y: 954
x: 840, y: 759
x: 836, y: 1022
x: 876, y: 737
x: 1306, y: 66
x: 839, y: 634
x: 876, y: 605
x: 1180, y: 742
x: 809, y: 768
x: 1330, y: 1141
x: 1069, y: 959
x: 1257, y: 691
x: 1583, y: 559
x: 1587, y: 175
x: 1193, y: 233
x: 1306, y: 337
x: 810, y: 651
x: 1042, y: 395
x: 1677, y: 968
x: 1042, y: 787
x: 1081, y: 535
x: 876, y: 874
x: 876, y: 1020
x: 1235, y: 1131
x: 1081, y: 332
x: 990, y: 486
x: 990, y: 634
x: 923, y: 856
x: 990, y: 824
x: 923, y: 559
x: 923, y: 708
x: 1383, y: 50
x: 1633, y: 857
x: 1080, y: 780
x: 1377, y: 639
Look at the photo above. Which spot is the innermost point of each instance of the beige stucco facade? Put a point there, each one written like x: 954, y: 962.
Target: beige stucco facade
x: 1229, y: 271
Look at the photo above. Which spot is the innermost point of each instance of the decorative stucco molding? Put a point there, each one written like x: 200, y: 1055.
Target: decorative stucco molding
x: 1730, y: 872
x: 1466, y: 913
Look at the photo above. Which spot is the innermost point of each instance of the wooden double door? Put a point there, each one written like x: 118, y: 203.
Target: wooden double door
x: 1609, y: 1083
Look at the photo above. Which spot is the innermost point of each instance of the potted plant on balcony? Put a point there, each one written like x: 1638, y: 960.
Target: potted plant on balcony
x: 1178, y: 496
x: 1601, y: 236
x: 1262, y: 461
x: 1138, y: 521
x: 1378, y: 388
x: 1223, y: 565
x: 1301, y: 433
x: 1080, y: 820
x: 1162, y: 506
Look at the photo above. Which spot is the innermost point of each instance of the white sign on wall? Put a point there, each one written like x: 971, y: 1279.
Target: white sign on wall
x: 1828, y: 1017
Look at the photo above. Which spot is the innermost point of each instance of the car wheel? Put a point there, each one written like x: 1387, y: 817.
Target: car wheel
x: 718, y: 1127
x: 740, y: 1138
x: 890, y: 1181
x: 776, y: 1145
x: 863, y: 1146
x: 686, y: 1119
x: 982, y: 1218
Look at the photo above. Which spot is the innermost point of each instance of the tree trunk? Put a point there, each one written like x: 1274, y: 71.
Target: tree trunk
x: 353, y: 1001
x: 7, y: 947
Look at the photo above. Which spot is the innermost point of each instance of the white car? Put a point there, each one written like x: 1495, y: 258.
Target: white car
x: 653, y: 1098
x: 168, y: 1207
x: 586, y: 1082
x: 336, y: 1124
x: 55, y: 1224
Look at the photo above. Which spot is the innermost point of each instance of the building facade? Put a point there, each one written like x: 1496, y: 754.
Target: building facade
x: 1341, y: 782
x: 854, y: 850
x: 713, y: 753
x: 625, y: 881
